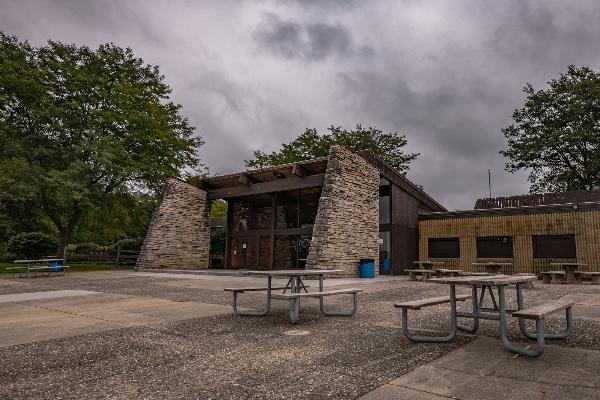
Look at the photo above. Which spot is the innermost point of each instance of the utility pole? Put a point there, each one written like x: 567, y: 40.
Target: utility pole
x: 490, y: 182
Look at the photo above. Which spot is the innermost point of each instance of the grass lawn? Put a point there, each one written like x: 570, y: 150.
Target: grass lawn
x: 75, y: 267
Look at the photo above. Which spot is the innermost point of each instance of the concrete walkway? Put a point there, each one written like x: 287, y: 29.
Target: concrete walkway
x: 483, y: 369
x: 31, y: 317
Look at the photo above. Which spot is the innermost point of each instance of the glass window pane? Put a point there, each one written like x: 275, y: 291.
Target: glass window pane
x: 309, y: 203
x: 443, y: 248
x: 285, y: 252
x: 554, y: 246
x: 494, y: 247
x: 384, y: 210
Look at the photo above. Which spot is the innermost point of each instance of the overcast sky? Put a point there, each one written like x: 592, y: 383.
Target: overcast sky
x: 251, y: 75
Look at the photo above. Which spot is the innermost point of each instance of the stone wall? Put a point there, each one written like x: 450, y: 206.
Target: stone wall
x: 179, y: 233
x: 346, y: 228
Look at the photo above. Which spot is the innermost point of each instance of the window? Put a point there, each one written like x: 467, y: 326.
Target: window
x: 444, y: 248
x: 554, y: 246
x: 494, y: 247
x: 385, y: 205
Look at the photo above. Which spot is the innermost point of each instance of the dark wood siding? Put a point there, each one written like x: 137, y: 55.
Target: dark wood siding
x: 404, y: 228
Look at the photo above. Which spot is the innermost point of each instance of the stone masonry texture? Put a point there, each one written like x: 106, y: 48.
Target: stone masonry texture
x: 179, y: 233
x: 346, y: 227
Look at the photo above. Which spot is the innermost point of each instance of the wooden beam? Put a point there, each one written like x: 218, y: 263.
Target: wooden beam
x: 300, y: 171
x: 247, y: 179
x: 228, y: 234
x: 204, y: 185
x: 279, y: 185
x: 272, y: 230
x: 278, y: 175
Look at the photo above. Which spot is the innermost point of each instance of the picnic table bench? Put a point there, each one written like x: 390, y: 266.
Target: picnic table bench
x: 447, y: 272
x: 424, y: 274
x: 499, y: 312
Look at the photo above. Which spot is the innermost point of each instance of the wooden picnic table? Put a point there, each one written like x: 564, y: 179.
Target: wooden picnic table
x: 491, y: 266
x: 426, y: 264
x: 295, y: 285
x: 570, y: 269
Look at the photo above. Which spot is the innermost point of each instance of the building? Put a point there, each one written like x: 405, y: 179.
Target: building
x: 333, y: 211
x: 530, y: 232
x: 327, y: 213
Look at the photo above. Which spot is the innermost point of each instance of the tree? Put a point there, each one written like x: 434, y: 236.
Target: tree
x: 556, y: 134
x: 311, y: 144
x: 81, y: 124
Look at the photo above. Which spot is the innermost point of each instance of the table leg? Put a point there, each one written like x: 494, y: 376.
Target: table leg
x: 504, y: 330
x: 255, y: 313
x: 475, y: 311
x: 435, y: 339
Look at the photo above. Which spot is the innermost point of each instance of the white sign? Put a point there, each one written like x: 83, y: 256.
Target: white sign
x: 243, y: 245
x: 380, y: 241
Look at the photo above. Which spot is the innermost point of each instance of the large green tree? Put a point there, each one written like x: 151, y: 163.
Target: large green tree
x: 556, y: 134
x: 311, y: 144
x: 78, y: 125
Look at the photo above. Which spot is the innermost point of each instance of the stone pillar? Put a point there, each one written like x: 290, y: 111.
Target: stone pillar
x: 179, y: 233
x: 346, y: 227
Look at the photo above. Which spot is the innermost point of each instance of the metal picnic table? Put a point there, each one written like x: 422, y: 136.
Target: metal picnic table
x: 29, y: 265
x: 294, y: 285
x: 570, y: 269
x: 499, y: 311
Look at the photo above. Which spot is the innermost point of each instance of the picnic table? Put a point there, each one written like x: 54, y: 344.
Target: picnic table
x: 295, y: 286
x: 43, y: 265
x: 570, y: 271
x: 498, y: 312
x: 492, y: 267
x: 426, y: 264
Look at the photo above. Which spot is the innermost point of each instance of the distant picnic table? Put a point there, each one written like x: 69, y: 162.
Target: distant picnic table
x: 492, y: 267
x: 38, y: 266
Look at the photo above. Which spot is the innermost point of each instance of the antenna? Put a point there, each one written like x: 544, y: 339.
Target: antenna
x: 490, y: 182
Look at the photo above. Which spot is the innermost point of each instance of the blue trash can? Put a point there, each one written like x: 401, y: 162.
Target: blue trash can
x: 55, y: 266
x: 367, y: 268
x: 387, y: 265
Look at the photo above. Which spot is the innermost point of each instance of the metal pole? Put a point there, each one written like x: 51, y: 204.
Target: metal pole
x: 490, y: 182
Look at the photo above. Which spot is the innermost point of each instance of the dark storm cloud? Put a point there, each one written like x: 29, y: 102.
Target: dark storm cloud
x: 251, y: 75
x: 309, y: 42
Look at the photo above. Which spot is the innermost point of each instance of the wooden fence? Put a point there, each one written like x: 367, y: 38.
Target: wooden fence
x: 120, y: 257
x: 536, y: 199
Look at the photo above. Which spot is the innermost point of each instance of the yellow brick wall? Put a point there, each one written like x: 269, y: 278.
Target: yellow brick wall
x: 585, y: 225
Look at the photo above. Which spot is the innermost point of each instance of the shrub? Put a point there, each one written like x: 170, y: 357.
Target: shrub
x: 32, y: 244
x: 129, y: 244
x: 83, y: 247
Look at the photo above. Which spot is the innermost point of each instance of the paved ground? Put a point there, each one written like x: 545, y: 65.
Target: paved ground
x: 173, y: 336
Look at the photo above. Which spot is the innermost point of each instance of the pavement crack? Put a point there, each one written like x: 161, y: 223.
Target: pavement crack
x: 424, y: 391
x: 72, y: 313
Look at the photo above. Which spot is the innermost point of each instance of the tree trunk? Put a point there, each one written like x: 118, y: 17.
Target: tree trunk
x: 65, y: 234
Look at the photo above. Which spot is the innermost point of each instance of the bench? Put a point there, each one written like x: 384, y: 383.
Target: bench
x: 538, y: 314
x: 57, y: 269
x: 425, y: 274
x: 448, y: 272
x: 254, y: 289
x: 594, y: 276
x: 553, y: 277
x: 33, y: 270
x: 294, y: 299
x: 236, y: 291
x: 419, y: 304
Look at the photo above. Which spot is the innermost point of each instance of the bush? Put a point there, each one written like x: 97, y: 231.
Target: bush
x: 32, y: 244
x: 129, y: 244
x: 88, y: 247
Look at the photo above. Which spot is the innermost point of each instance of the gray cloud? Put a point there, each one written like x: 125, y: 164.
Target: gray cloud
x: 309, y: 42
x: 253, y: 75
